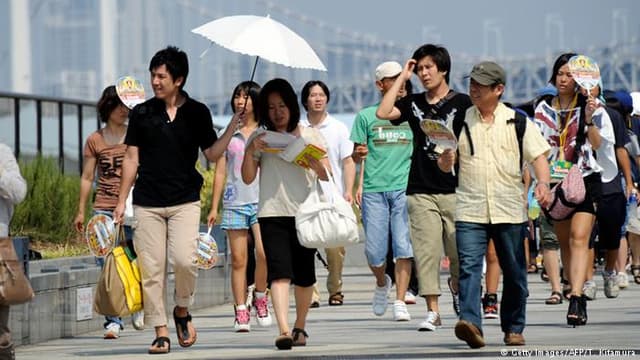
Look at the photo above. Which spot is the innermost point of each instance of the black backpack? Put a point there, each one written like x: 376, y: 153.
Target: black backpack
x: 520, y: 125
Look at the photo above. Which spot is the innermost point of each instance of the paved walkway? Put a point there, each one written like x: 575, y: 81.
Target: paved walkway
x: 351, y: 331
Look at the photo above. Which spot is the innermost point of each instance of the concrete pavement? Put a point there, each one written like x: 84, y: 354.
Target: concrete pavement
x: 351, y: 331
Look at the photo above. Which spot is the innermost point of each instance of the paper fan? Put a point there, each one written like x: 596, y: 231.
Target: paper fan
x: 100, y: 234
x: 206, y: 252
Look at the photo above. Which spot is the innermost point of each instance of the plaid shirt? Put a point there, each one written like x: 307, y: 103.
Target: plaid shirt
x: 490, y: 188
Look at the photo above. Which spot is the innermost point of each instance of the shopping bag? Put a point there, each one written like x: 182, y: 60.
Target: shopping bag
x: 119, y: 289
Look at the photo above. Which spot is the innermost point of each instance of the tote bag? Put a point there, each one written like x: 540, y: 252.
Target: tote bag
x: 566, y: 196
x: 14, y: 286
x: 119, y: 289
x: 325, y: 219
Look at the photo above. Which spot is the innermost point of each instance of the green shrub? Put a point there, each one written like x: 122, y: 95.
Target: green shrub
x: 50, y: 206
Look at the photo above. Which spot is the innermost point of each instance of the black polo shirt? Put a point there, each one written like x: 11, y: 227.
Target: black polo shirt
x: 168, y: 151
x: 425, y: 177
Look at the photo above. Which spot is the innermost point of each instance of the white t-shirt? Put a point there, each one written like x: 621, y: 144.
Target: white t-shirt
x: 339, y: 146
x: 606, y: 153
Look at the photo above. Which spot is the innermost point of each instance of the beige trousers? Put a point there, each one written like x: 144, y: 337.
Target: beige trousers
x: 433, y: 229
x: 335, y: 261
x: 166, y: 233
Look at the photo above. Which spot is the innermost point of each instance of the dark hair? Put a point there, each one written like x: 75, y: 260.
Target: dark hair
x: 282, y: 87
x: 108, y: 102
x: 560, y: 62
x: 304, y: 96
x: 408, y: 87
x: 438, y: 54
x: 248, y: 87
x: 175, y: 60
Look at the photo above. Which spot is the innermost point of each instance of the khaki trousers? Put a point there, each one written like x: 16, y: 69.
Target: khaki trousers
x: 166, y: 233
x: 431, y: 217
x: 335, y: 262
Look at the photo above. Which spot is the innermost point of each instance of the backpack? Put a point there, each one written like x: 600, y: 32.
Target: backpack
x: 520, y: 125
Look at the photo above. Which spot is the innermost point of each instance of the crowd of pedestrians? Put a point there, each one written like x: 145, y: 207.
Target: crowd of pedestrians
x: 419, y: 202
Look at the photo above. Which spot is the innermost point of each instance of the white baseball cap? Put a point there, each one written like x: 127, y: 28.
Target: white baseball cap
x: 388, y: 69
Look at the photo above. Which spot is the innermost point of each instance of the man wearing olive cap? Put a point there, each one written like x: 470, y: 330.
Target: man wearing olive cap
x: 489, y: 202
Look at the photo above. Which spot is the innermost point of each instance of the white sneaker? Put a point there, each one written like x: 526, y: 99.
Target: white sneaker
x: 112, y: 331
x: 409, y: 298
x: 137, y: 320
x: 623, y: 280
x: 611, y: 289
x: 400, y: 312
x: 431, y: 323
x: 380, y: 297
x: 589, y: 289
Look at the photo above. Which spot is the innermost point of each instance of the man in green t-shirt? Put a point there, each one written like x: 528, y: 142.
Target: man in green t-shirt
x: 382, y: 195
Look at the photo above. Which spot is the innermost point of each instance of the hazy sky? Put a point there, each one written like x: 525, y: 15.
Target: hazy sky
x: 460, y: 25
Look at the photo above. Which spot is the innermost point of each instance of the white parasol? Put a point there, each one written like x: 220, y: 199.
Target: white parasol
x: 261, y: 37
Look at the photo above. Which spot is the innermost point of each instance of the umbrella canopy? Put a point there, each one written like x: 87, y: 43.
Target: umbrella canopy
x: 262, y: 37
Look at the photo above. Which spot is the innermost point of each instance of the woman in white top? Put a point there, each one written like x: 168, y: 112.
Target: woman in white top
x: 283, y: 187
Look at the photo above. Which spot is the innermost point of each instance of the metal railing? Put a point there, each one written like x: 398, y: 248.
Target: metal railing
x: 28, y: 114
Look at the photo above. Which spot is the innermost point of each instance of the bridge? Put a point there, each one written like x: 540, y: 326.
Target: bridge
x: 67, y: 109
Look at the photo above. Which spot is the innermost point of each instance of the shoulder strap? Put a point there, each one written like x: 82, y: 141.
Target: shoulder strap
x: 520, y: 122
x: 458, y: 125
x: 435, y: 109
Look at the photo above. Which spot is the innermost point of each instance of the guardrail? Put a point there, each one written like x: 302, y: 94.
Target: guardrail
x: 57, y: 123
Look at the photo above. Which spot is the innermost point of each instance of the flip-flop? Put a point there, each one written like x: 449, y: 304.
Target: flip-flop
x: 182, y: 328
x: 160, y: 349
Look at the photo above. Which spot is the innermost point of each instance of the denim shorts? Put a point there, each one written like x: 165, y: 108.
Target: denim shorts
x: 385, y: 214
x: 239, y: 218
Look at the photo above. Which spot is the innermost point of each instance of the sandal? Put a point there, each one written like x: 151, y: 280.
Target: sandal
x: 335, y: 300
x: 532, y: 269
x: 635, y: 271
x: 543, y: 275
x: 299, y: 337
x: 554, y: 299
x: 160, y: 342
x: 566, y: 288
x: 284, y: 342
x: 185, y: 337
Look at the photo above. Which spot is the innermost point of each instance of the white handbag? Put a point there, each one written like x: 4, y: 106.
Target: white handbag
x: 325, y: 219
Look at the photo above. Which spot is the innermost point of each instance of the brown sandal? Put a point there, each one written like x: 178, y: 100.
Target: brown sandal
x: 336, y: 299
x: 554, y: 299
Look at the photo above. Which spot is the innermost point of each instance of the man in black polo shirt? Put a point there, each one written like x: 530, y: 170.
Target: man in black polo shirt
x: 430, y: 192
x: 163, y: 138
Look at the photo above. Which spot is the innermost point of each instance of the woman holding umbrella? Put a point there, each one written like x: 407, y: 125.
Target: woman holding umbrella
x: 283, y: 187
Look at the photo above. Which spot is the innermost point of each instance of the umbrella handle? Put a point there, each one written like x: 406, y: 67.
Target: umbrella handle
x: 253, y: 73
x: 255, y: 65
x: 206, y: 50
